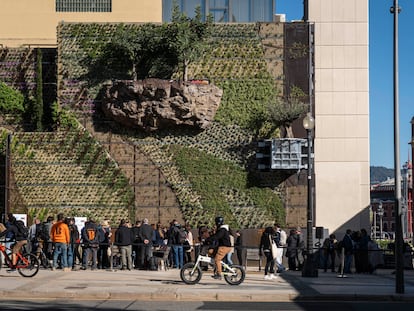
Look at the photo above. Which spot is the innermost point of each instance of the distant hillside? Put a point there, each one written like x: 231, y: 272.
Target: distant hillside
x: 380, y: 173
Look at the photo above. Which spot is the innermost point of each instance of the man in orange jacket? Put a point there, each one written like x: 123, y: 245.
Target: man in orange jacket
x: 60, y: 235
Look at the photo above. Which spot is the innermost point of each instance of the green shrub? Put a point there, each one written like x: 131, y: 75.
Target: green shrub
x: 11, y: 100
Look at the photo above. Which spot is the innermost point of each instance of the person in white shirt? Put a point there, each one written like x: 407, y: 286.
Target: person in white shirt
x: 280, y: 239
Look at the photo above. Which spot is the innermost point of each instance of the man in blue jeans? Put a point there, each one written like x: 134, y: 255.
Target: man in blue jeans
x: 61, y: 238
x: 177, y: 246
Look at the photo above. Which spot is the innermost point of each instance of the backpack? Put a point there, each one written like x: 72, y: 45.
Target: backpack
x: 277, y: 239
x: 182, y: 236
x: 22, y: 230
x: 43, y: 232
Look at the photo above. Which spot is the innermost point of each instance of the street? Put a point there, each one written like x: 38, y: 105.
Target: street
x: 109, y: 305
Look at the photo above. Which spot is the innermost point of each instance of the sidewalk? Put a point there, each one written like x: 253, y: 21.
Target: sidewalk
x: 167, y: 286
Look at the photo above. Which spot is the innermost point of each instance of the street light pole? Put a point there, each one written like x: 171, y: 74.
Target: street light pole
x: 380, y: 214
x: 399, y: 243
x: 309, y: 268
x: 7, y: 181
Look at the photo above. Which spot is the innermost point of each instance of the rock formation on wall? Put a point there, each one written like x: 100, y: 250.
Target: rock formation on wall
x: 154, y: 104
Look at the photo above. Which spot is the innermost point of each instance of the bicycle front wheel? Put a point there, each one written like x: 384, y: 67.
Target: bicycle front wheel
x: 28, y: 266
x: 237, y: 277
x: 190, y: 274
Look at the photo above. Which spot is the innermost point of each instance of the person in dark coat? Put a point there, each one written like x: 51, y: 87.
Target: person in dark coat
x: 137, y: 245
x: 329, y: 252
x: 348, y: 245
x: 238, y: 246
x: 363, y: 266
x: 292, y: 249
x: 90, y: 241
x: 265, y: 248
x: 146, y: 234
x: 123, y: 239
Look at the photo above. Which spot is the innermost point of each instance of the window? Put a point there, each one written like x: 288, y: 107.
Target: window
x: 227, y: 11
x: 83, y: 5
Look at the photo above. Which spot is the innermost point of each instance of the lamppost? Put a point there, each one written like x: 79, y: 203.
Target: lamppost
x: 310, y: 268
x: 374, y: 222
x: 380, y: 213
x: 399, y: 243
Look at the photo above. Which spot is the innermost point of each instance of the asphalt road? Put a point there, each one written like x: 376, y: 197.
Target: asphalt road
x: 109, y: 305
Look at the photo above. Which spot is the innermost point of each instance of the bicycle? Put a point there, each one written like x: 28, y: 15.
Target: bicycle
x: 191, y: 272
x: 43, y: 260
x: 39, y: 253
x: 27, y: 264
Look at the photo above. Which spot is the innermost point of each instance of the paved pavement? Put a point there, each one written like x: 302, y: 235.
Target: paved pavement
x: 167, y: 286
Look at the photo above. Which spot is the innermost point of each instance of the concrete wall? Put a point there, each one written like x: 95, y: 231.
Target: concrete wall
x: 34, y: 21
x: 341, y: 113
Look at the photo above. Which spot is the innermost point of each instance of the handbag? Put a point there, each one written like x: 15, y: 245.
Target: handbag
x: 273, y: 247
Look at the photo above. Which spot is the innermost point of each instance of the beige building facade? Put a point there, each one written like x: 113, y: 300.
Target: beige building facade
x: 34, y: 22
x: 342, y: 196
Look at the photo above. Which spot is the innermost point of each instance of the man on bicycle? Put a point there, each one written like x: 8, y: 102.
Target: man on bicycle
x: 222, y: 238
x: 20, y: 239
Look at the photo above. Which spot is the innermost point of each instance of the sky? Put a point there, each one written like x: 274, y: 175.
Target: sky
x: 381, y: 76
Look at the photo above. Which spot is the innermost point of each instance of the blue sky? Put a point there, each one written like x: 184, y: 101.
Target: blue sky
x: 381, y: 76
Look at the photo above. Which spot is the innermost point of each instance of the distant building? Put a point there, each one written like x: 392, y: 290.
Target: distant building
x: 33, y: 23
x: 383, y: 204
x: 224, y: 11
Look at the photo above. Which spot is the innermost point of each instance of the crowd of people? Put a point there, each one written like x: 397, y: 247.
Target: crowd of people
x: 127, y: 246
x: 140, y: 245
x: 355, y: 250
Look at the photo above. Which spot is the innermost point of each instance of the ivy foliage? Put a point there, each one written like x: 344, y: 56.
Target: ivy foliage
x: 243, y: 102
x: 213, y: 179
x: 11, y: 100
x: 63, y: 118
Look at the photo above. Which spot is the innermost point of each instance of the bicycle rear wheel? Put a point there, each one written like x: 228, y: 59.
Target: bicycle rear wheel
x: 28, y: 266
x: 44, y: 261
x: 235, y: 278
x: 189, y: 274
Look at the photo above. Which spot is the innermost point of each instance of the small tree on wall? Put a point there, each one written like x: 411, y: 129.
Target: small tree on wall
x: 187, y: 37
x: 282, y: 113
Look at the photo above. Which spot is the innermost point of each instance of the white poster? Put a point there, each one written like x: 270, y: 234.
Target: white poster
x: 21, y: 217
x: 80, y: 222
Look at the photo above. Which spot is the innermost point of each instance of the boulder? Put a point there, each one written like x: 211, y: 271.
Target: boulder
x: 154, y: 104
